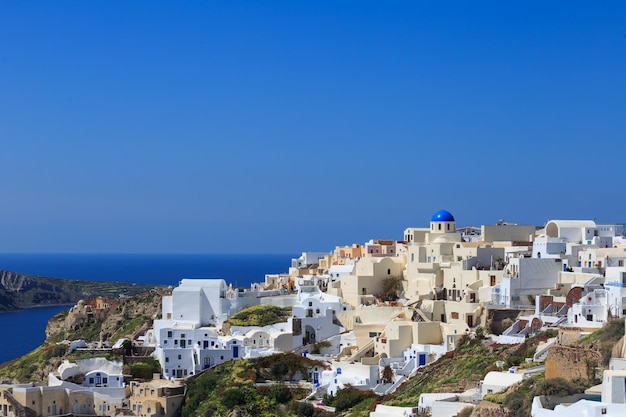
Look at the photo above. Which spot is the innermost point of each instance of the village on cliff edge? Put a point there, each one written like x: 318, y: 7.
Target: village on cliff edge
x: 364, y: 308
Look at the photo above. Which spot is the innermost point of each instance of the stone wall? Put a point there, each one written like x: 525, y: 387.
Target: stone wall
x: 572, y: 362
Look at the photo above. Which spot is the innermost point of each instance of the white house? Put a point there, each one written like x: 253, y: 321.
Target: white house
x: 201, y: 301
x: 95, y: 372
x: 315, y: 313
x: 499, y: 381
x: 526, y: 277
x: 186, y: 339
x: 341, y: 374
x: 392, y: 411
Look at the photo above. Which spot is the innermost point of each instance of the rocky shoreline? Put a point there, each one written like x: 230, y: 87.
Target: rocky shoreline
x: 19, y: 291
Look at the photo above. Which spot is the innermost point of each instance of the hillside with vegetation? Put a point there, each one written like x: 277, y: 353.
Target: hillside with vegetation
x: 260, y: 315
x: 19, y: 291
x: 126, y: 317
x: 252, y: 387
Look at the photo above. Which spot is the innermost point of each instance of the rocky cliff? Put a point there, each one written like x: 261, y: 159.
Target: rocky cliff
x: 98, y: 321
x: 21, y: 290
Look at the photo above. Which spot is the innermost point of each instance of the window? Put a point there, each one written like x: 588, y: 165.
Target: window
x: 169, y: 334
x: 179, y: 357
x: 167, y: 359
x: 182, y: 336
x: 388, y: 271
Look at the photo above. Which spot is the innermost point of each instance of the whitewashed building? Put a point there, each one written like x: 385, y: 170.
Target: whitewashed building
x: 186, y: 339
x: 315, y: 313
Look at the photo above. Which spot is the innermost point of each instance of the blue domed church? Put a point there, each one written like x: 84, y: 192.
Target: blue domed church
x: 442, y: 222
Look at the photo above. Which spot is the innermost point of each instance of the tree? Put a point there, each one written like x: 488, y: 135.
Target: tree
x: 305, y: 409
x: 281, y: 393
x: 232, y: 398
x: 387, y: 375
x: 392, y: 287
x: 279, y: 370
x: 127, y: 346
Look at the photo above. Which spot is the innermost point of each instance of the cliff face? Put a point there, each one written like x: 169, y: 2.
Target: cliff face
x: 21, y: 290
x: 124, y: 317
x: 16, y: 282
x: 96, y: 320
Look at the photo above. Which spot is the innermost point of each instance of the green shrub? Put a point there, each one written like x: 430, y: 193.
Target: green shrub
x: 279, y: 370
x: 57, y: 351
x: 305, y: 409
x: 347, y: 398
x: 260, y: 315
x: 516, y: 403
x: 144, y: 370
x: 280, y: 393
x: 465, y: 412
x: 233, y: 397
x: 514, y: 360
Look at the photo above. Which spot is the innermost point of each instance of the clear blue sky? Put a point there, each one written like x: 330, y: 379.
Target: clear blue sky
x: 289, y: 126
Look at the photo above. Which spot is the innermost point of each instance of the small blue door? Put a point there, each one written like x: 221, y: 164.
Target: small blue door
x: 422, y: 359
x: 235, y: 351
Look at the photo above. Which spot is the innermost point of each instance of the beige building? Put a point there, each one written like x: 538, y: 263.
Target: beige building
x: 398, y: 335
x: 47, y: 401
x: 156, y: 398
x: 367, y: 279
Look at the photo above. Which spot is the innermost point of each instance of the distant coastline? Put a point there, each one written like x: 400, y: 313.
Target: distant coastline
x: 152, y: 269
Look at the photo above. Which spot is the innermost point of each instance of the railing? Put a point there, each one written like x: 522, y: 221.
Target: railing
x: 542, y: 352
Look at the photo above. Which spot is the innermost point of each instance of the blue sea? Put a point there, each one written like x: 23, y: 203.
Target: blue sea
x: 26, y: 328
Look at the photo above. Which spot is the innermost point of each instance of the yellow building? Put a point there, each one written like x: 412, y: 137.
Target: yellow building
x: 156, y: 398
